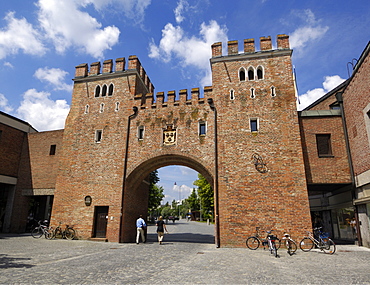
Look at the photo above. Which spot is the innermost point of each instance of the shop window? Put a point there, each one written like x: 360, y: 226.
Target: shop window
x: 202, y: 128
x: 53, y: 148
x: 98, y: 136
x: 323, y: 143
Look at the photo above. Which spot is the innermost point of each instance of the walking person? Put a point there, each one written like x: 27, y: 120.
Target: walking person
x: 161, y: 227
x: 140, y: 227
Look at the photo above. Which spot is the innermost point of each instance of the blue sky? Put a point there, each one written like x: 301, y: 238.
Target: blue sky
x: 42, y: 41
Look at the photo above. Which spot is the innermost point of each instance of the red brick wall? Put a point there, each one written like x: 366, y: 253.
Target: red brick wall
x: 333, y: 169
x: 10, y: 151
x: 356, y: 98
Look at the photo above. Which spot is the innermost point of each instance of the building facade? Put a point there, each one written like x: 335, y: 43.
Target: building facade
x: 270, y: 166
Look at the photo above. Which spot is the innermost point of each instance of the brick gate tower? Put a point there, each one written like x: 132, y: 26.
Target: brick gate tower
x: 242, y: 135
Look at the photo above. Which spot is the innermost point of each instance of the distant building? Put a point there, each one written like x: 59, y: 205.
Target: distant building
x: 270, y: 166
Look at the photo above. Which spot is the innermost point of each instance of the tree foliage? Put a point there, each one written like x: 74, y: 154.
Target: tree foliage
x: 155, y: 192
x: 206, y: 195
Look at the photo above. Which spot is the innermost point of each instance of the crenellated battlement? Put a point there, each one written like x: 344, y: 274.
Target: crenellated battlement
x: 151, y: 101
x: 83, y: 71
x: 249, y: 45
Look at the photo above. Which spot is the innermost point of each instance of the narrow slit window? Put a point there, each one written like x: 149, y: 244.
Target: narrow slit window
x: 254, y: 125
x: 202, y: 128
x: 253, y: 95
x: 86, y: 109
x: 140, y: 133
x: 53, y: 148
x: 110, y: 90
x: 117, y: 107
x: 101, y: 108
x: 242, y: 74
x: 273, y: 94
x: 232, y: 95
x: 104, y: 91
x: 259, y: 73
x: 98, y: 136
x: 323, y: 142
x: 97, y: 91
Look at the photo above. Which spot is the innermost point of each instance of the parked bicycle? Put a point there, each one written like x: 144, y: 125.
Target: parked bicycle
x: 253, y: 242
x: 322, y: 242
x: 68, y: 232
x: 289, y: 243
x: 271, y: 241
x: 42, y: 230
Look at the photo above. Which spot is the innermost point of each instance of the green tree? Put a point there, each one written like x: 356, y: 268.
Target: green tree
x: 155, y: 193
x: 206, y: 195
x: 192, y: 201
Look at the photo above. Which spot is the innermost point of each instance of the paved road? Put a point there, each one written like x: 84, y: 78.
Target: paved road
x: 188, y: 256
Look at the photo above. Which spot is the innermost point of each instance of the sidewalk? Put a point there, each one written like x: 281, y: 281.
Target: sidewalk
x: 188, y: 256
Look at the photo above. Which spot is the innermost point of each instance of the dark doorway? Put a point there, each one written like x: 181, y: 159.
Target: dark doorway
x: 100, y: 221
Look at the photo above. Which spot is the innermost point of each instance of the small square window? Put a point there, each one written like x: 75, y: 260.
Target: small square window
x: 53, y: 148
x: 98, y: 135
x: 323, y: 142
x: 202, y: 128
x: 254, y: 125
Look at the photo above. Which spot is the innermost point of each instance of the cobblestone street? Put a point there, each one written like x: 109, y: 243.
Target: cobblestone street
x: 188, y: 256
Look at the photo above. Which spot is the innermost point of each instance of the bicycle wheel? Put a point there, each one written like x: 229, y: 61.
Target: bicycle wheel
x: 277, y: 243
x: 306, y: 244
x: 328, y: 246
x: 58, y: 233
x: 37, y: 232
x: 273, y: 248
x: 291, y: 246
x: 49, y: 234
x: 70, y: 233
x: 252, y: 243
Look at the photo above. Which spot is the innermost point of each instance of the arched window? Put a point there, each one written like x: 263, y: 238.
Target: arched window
x: 97, y: 91
x: 260, y: 72
x: 110, y: 91
x: 104, y: 91
x: 251, y: 73
x: 242, y: 74
x: 232, y: 94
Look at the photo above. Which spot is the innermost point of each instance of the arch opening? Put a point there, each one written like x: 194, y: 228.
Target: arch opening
x: 136, y: 196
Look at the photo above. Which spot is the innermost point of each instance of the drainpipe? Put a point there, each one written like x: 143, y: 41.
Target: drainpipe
x: 213, y: 108
x: 135, y: 110
x: 339, y: 97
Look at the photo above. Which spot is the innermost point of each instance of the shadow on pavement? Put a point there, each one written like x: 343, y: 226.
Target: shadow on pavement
x: 10, y: 262
x: 183, y: 237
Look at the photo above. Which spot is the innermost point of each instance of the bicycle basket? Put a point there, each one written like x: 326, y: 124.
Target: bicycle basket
x: 324, y: 235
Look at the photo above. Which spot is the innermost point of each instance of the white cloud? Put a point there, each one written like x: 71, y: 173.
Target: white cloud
x: 4, y: 104
x: 19, y: 35
x: 311, y: 30
x: 193, y: 51
x: 312, y: 95
x: 55, y: 77
x: 41, y: 112
x: 66, y: 26
x: 182, y: 6
x: 8, y: 64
